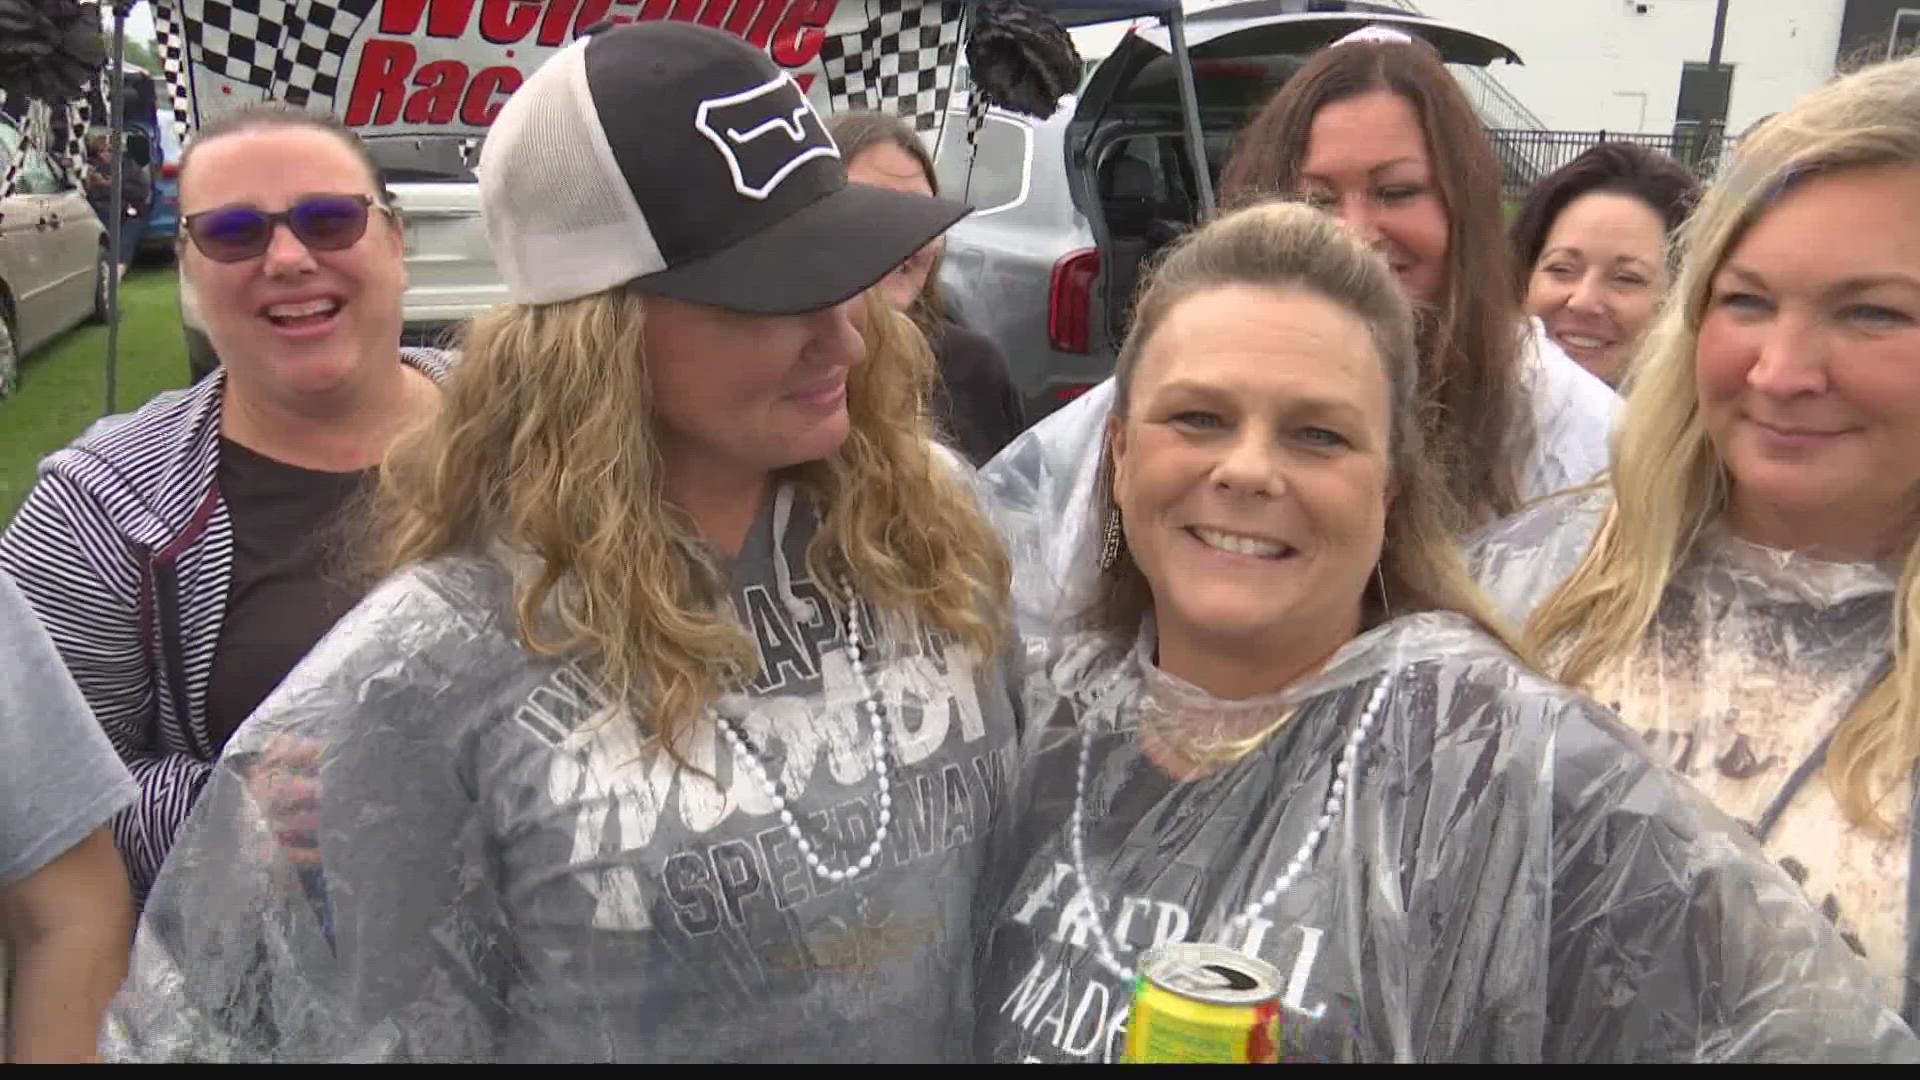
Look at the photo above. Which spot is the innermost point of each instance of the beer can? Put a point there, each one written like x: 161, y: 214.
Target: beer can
x: 1198, y: 1003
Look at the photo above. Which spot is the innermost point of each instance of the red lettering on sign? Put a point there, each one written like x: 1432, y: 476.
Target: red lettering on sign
x: 380, y: 87
x: 504, y: 22
x: 447, y: 19
x: 764, y: 16
x: 553, y: 25
x: 592, y: 11
x: 479, y: 108
x: 439, y: 97
x: 801, y: 34
x: 676, y: 10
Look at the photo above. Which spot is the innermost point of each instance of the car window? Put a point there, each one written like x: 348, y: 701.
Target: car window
x: 989, y: 176
x: 38, y: 176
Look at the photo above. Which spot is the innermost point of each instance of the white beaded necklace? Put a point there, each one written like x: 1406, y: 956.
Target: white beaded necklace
x: 745, y: 751
x: 1336, y: 794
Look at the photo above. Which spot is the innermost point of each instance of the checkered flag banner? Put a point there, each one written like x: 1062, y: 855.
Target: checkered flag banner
x: 170, y: 39
x: 79, y: 116
x: 289, y: 49
x: 901, y: 62
x: 976, y: 116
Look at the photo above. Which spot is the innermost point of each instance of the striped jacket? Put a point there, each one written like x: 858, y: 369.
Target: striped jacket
x: 124, y: 549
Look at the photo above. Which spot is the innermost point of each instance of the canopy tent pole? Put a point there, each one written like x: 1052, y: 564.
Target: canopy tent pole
x: 117, y: 110
x: 1190, y: 109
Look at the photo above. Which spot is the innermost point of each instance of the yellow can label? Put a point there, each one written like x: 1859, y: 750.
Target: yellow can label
x: 1167, y: 1027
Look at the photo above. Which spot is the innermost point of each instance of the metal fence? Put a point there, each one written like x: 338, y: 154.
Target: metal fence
x: 1528, y: 155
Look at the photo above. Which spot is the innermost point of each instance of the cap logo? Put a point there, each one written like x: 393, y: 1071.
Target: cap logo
x: 764, y: 133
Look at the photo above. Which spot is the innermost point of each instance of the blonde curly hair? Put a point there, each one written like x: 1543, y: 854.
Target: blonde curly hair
x: 538, y: 453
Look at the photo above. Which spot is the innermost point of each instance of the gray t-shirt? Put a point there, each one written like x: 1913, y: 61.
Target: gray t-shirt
x: 59, y: 777
x: 510, y: 872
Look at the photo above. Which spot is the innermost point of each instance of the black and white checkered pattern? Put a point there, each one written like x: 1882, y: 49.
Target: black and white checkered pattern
x: 170, y: 41
x: 976, y: 116
x: 290, y: 50
x: 901, y: 62
x: 79, y: 116
x: 237, y: 39
x: 313, y: 46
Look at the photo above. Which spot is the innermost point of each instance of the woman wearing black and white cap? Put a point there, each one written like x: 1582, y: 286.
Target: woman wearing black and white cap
x: 677, y: 730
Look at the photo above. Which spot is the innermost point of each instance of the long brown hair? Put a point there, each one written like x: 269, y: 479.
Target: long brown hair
x: 1289, y: 246
x: 857, y: 132
x: 1474, y: 411
x: 543, y: 453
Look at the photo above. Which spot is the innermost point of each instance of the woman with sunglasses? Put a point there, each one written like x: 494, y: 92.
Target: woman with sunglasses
x: 182, y: 560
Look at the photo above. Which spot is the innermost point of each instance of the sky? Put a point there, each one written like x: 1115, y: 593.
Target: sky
x: 139, y: 22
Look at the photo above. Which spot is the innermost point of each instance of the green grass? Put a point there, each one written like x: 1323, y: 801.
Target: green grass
x: 63, y: 385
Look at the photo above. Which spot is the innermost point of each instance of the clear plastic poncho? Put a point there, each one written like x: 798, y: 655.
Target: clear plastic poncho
x: 432, y: 845
x: 1039, y: 490
x: 1507, y: 878
x: 1754, y: 658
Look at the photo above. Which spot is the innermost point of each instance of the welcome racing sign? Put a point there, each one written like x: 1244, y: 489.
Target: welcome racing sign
x: 433, y: 68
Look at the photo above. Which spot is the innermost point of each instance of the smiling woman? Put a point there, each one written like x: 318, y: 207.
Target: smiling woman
x: 1590, y: 250
x: 1292, y: 726
x: 188, y: 558
x: 1273, y: 390
x: 1742, y: 588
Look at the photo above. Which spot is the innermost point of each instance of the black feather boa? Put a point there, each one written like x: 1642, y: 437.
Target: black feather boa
x: 49, y: 49
x: 1020, y: 59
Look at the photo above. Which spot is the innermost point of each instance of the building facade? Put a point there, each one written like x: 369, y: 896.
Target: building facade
x: 1642, y: 65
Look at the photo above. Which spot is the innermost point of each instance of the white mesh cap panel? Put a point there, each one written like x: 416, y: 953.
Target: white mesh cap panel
x: 558, y: 213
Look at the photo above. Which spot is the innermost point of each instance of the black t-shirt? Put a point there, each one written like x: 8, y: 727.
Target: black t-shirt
x: 974, y: 401
x: 289, y: 585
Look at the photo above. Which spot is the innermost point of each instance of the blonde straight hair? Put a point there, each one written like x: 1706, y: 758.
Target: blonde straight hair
x: 543, y: 448
x: 1668, y: 482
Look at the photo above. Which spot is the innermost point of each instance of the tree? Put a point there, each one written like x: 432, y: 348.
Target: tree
x: 141, y: 55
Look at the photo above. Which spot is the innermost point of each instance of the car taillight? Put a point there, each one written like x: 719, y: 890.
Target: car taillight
x: 1064, y: 394
x: 1070, y: 301
x: 170, y: 170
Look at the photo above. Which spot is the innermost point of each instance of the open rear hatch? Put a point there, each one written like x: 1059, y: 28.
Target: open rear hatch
x: 1130, y: 167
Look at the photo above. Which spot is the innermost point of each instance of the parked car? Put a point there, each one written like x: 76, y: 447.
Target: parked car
x: 1069, y: 209
x: 53, y: 254
x: 163, y: 214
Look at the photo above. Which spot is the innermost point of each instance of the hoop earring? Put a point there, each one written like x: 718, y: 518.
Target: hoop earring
x: 1386, y: 606
x: 1110, y: 547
